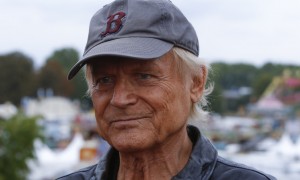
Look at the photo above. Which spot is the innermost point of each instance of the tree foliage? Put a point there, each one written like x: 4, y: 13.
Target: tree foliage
x: 216, y: 100
x: 16, y: 77
x: 260, y: 83
x: 67, y: 57
x: 52, y: 76
x: 265, y: 76
x: 233, y: 75
x: 230, y: 77
x: 17, y: 136
x: 19, y: 78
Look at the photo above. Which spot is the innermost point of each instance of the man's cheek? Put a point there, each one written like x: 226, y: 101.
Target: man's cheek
x: 102, y: 129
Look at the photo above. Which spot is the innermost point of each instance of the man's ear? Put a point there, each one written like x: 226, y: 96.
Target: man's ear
x: 198, y: 84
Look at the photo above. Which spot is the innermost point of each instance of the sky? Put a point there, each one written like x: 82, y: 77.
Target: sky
x: 234, y: 31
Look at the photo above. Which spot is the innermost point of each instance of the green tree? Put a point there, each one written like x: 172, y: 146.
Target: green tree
x: 260, y: 83
x: 231, y: 77
x: 265, y: 76
x: 216, y: 100
x: 67, y: 57
x: 272, y: 69
x: 16, y: 77
x: 17, y: 136
x: 52, y: 76
x: 234, y: 75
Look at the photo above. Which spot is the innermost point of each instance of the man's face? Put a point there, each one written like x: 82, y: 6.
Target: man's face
x: 140, y: 104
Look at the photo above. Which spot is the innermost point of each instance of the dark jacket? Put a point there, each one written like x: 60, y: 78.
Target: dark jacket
x: 204, y: 164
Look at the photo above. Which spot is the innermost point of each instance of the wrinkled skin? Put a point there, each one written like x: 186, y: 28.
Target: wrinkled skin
x: 142, y: 106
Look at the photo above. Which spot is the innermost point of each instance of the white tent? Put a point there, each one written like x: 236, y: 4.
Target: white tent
x: 270, y: 102
x: 50, y: 163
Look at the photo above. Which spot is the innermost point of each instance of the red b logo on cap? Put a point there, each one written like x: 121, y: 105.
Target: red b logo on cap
x: 114, y: 23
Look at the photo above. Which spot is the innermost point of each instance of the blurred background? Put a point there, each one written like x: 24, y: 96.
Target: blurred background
x: 47, y: 124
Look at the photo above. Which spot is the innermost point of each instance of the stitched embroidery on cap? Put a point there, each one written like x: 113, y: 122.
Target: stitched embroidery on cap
x: 114, y: 23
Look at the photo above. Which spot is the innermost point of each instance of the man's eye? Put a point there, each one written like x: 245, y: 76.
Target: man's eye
x: 144, y: 76
x: 105, y: 80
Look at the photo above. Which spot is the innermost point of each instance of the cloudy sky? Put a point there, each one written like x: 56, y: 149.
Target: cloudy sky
x: 250, y: 31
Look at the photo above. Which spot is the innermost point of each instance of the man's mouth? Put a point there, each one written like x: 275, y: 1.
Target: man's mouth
x: 127, y: 119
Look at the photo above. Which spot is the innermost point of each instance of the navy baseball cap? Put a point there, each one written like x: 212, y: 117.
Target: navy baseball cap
x: 139, y: 29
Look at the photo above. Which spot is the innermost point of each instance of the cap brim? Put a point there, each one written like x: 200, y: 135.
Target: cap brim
x: 133, y: 47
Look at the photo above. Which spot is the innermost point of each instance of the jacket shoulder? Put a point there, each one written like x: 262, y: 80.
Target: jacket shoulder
x: 226, y: 169
x: 82, y: 174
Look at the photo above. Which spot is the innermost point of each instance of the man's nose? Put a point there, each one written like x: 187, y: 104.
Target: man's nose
x: 123, y: 94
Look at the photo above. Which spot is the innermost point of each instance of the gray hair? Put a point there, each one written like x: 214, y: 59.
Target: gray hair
x: 193, y: 64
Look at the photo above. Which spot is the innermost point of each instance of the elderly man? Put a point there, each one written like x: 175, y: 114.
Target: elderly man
x: 146, y: 81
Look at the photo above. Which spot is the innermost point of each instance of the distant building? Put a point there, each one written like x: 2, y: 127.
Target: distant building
x: 52, y: 108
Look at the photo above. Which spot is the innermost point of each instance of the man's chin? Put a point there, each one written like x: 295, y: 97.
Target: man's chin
x: 129, y: 144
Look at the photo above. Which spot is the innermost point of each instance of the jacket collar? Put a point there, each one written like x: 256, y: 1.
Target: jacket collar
x: 202, y: 160
x: 200, y: 165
